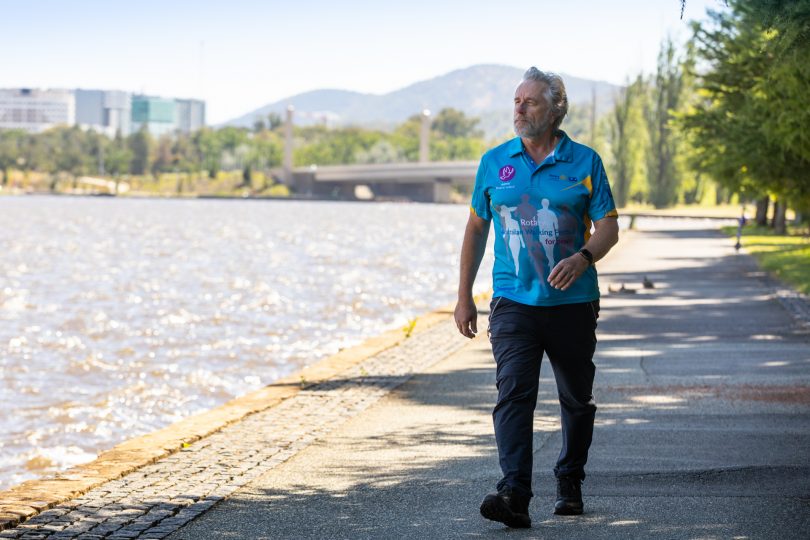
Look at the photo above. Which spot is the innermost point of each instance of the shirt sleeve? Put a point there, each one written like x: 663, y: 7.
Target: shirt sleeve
x: 601, y: 204
x: 480, y: 198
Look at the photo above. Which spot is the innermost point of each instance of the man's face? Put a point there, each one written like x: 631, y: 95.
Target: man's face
x: 532, y: 114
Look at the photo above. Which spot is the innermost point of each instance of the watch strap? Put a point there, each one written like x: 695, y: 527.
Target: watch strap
x: 587, y: 254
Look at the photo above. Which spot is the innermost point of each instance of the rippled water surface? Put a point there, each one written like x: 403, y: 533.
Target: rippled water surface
x: 121, y: 316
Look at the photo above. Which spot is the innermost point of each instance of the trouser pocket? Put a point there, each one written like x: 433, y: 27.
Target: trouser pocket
x: 493, y: 305
x: 594, y: 310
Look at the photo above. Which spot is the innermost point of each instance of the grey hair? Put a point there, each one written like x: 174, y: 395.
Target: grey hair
x: 555, y: 93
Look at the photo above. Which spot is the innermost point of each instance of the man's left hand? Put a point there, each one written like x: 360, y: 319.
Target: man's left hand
x: 567, y: 271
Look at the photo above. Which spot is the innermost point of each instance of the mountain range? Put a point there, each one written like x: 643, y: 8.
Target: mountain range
x: 484, y: 91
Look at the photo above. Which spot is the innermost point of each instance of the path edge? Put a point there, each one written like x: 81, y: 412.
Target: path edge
x: 29, y: 498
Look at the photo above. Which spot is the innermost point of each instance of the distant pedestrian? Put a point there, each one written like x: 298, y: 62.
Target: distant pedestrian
x: 539, y: 306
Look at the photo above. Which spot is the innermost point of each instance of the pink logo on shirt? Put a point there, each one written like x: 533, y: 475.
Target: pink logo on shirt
x: 506, y: 173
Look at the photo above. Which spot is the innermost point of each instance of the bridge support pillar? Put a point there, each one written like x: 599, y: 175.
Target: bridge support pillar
x: 441, y: 190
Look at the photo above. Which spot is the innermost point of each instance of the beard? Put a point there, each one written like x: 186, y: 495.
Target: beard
x: 524, y: 127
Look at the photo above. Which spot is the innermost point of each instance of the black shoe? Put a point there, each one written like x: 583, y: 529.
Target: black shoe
x: 507, y: 507
x: 569, y: 496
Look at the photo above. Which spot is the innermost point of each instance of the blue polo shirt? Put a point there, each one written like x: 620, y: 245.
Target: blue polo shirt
x: 542, y: 214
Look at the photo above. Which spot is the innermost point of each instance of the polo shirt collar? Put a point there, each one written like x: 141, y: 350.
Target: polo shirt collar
x: 562, y: 152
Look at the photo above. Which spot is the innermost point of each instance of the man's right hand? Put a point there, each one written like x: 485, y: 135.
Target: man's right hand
x: 466, y: 316
x: 472, y: 251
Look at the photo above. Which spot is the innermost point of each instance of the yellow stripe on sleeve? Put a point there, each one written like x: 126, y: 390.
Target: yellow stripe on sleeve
x: 586, y: 182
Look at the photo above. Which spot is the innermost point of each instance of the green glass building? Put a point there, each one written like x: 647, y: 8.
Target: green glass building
x: 158, y: 115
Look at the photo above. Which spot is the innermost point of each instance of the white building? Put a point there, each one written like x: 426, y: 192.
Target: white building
x: 190, y: 114
x: 36, y: 110
x: 108, y: 111
x: 104, y: 111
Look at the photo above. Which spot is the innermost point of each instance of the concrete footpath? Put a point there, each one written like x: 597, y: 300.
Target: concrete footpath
x: 702, y: 431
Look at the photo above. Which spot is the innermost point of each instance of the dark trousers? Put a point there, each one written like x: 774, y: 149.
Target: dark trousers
x: 520, y: 334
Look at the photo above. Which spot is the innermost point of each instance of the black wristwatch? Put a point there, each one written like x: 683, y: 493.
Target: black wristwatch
x: 587, y: 254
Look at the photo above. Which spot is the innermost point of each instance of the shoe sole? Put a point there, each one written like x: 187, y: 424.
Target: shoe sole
x: 568, y: 510
x: 495, y: 509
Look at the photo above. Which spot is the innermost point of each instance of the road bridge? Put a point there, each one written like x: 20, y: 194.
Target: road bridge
x: 422, y: 182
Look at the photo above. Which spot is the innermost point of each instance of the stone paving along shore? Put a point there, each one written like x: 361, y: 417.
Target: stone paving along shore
x: 159, y: 498
x: 704, y: 394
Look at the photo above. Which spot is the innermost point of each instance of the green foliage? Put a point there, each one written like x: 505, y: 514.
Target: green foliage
x: 209, y: 150
x: 456, y: 149
x: 664, y: 175
x: 784, y: 255
x: 383, y: 151
x: 646, y: 152
x: 11, y: 144
x: 748, y: 127
x: 323, y: 146
x: 453, y: 137
x: 409, y: 328
x: 406, y: 137
x: 118, y: 156
x: 177, y: 163
x: 141, y: 147
x: 273, y: 121
x: 454, y: 123
x: 577, y: 123
x: 790, y: 19
x: 278, y: 190
x: 630, y: 144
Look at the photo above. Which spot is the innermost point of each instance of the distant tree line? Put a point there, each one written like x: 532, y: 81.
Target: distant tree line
x: 724, y: 116
x: 644, y: 151
x: 208, y: 151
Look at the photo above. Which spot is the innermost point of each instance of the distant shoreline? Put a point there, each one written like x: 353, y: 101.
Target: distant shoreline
x: 131, y: 195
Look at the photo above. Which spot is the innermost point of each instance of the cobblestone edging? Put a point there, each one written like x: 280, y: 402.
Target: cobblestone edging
x: 29, y: 498
x: 794, y: 302
x: 797, y: 304
x: 158, y: 499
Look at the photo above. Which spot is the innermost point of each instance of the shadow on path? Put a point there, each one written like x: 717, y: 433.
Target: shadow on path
x: 684, y: 446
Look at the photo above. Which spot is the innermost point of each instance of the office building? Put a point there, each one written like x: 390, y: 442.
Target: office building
x: 108, y: 111
x: 190, y: 114
x: 105, y: 111
x: 157, y: 115
x: 35, y: 110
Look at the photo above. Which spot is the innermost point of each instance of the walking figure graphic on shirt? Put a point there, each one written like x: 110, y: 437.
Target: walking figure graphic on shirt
x: 511, y: 235
x: 549, y: 230
x: 566, y: 232
x: 527, y: 214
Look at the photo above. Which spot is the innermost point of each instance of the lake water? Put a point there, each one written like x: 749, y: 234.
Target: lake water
x: 121, y: 316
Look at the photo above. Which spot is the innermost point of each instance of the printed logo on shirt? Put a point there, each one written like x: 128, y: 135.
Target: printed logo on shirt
x: 506, y: 173
x: 563, y: 177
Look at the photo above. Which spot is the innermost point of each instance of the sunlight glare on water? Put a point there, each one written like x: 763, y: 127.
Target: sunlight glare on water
x: 121, y: 316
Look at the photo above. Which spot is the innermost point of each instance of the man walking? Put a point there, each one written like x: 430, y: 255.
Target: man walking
x: 539, y: 178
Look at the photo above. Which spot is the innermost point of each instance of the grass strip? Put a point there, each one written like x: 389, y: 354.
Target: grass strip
x: 785, y: 256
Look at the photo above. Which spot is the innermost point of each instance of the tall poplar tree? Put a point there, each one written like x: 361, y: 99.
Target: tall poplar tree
x: 666, y: 98
x: 629, y: 144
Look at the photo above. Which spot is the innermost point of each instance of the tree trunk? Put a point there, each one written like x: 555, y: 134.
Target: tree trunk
x: 779, y: 225
x: 762, y: 211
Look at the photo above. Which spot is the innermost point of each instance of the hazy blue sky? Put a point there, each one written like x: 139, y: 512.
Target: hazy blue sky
x: 241, y: 54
